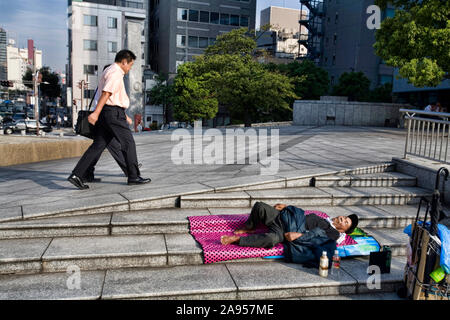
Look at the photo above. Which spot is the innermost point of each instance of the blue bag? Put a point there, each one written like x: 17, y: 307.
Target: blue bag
x: 444, y: 235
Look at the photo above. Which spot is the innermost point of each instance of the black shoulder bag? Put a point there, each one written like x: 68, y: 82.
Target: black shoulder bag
x: 83, y: 127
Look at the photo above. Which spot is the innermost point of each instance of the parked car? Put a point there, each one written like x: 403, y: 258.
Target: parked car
x: 9, y: 127
x: 19, y: 116
x: 27, y: 125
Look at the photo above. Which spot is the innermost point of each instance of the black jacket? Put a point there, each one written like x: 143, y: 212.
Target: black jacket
x: 307, y: 249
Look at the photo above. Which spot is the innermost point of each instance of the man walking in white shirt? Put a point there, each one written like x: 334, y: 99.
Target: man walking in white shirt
x: 111, y: 121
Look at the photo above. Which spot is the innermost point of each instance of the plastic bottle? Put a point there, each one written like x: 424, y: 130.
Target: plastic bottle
x: 388, y: 251
x: 336, y: 263
x: 323, y: 267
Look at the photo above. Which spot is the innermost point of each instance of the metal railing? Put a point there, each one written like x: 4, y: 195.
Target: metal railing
x: 428, y: 134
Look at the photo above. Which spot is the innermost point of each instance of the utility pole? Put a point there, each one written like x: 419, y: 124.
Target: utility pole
x: 36, y: 92
x: 82, y: 93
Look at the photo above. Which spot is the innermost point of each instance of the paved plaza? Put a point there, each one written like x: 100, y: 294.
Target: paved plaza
x: 35, y: 187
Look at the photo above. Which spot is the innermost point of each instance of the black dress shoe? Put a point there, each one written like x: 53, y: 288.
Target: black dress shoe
x: 91, y: 179
x: 138, y: 180
x: 77, y: 182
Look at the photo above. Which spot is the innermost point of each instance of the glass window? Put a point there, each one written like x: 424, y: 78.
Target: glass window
x: 244, y: 21
x: 181, y: 40
x: 204, y: 16
x: 224, y: 19
x: 203, y: 42
x: 193, y: 41
x: 212, y: 41
x: 182, y: 14
x: 386, y: 79
x: 112, y: 46
x: 234, y: 20
x: 90, y: 69
x: 214, y: 18
x: 193, y: 15
x: 112, y: 23
x: 90, y: 20
x: 90, y: 45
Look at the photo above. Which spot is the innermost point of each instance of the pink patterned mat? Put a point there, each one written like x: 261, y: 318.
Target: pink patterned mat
x: 207, y: 230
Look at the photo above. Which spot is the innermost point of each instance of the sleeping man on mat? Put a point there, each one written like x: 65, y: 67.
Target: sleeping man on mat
x: 304, y: 237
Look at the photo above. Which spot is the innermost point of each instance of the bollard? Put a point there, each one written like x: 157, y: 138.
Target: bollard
x: 23, y: 132
x: 61, y: 134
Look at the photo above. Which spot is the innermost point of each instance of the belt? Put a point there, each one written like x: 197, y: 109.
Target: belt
x: 110, y: 106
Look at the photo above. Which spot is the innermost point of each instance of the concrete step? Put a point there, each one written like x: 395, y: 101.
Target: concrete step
x: 367, y: 296
x: 175, y: 220
x: 308, y: 196
x: 387, y: 179
x: 165, y: 196
x: 275, y: 280
x: 127, y: 251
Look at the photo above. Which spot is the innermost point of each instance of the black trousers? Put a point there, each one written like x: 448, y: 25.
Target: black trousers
x: 269, y: 216
x: 114, y: 149
x: 112, y: 123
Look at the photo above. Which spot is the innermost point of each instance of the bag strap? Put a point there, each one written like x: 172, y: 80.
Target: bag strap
x: 92, y: 100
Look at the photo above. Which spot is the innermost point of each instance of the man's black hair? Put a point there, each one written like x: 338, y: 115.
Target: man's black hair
x: 125, y: 54
x: 354, y: 219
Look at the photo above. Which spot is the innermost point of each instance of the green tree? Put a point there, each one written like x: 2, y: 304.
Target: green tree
x: 382, y: 93
x: 310, y: 81
x: 28, y: 76
x: 51, y: 89
x: 193, y: 100
x: 163, y: 93
x: 238, y: 41
x: 354, y: 85
x: 229, y: 74
x: 417, y: 40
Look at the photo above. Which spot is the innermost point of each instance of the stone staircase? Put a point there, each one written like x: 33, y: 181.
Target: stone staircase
x: 149, y: 253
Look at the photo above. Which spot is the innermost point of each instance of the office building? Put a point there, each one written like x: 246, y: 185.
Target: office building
x: 282, y: 37
x: 3, y: 55
x: 98, y: 29
x: 19, y: 62
x: 181, y: 30
x: 340, y: 41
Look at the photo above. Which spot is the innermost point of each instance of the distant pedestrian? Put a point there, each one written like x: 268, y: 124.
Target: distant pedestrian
x: 58, y: 122
x: 430, y: 108
x: 110, y: 121
x: 139, y: 127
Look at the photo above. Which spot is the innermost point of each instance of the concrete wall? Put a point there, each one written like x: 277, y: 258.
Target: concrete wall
x: 344, y: 113
x: 19, y: 151
x: 425, y: 171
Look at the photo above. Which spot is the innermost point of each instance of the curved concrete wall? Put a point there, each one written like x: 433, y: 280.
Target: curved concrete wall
x: 344, y: 113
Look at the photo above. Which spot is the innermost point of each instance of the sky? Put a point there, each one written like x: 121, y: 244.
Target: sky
x: 45, y: 21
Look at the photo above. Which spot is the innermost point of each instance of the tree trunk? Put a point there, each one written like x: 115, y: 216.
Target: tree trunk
x: 247, y: 120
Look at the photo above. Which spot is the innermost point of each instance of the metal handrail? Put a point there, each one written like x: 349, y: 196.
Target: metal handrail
x: 420, y: 142
x: 429, y: 113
